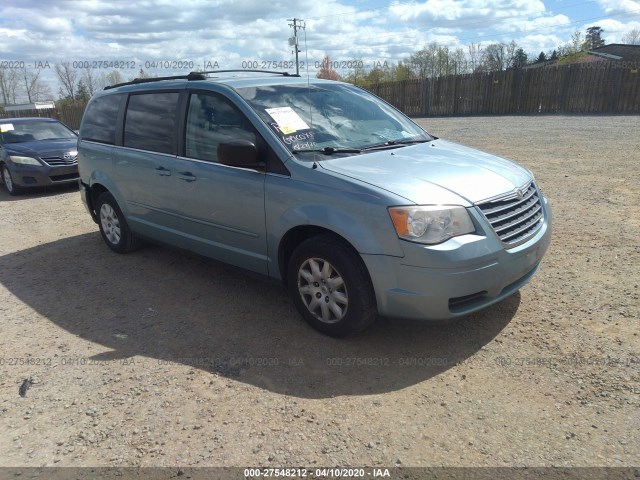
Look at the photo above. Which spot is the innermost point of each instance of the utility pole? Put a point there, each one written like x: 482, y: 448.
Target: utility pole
x: 293, y: 41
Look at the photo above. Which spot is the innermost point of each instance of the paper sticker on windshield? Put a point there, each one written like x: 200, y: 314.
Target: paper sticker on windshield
x: 288, y: 121
x: 6, y: 127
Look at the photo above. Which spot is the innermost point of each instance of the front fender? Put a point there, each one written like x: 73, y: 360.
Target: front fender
x: 357, y: 214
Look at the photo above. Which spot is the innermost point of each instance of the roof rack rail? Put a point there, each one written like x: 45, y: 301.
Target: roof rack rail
x: 191, y: 76
x: 272, y: 72
x: 196, y: 76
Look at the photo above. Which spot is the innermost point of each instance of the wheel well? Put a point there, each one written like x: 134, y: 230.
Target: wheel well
x: 295, y: 237
x: 96, y: 190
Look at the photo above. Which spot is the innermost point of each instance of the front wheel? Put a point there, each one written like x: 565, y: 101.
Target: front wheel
x: 330, y: 286
x: 113, y: 226
x: 12, y: 188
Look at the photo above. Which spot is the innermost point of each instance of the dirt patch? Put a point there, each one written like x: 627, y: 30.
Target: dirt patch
x: 158, y: 358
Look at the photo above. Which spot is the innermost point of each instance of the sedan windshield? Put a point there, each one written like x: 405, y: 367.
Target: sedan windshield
x: 331, y: 118
x: 21, y: 132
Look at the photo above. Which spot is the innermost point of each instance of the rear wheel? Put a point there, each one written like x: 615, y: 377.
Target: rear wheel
x: 12, y: 188
x: 113, y: 226
x: 330, y: 286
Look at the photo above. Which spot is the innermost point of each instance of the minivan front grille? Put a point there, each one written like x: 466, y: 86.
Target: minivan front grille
x: 515, y: 217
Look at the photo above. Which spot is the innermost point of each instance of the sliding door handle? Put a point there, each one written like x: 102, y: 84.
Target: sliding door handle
x: 187, y: 176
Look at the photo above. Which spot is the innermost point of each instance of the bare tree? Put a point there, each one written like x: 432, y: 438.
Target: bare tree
x: 460, y: 63
x: 402, y: 71
x: 632, y: 37
x: 475, y: 57
x: 502, y: 56
x: 34, y: 88
x: 495, y: 57
x: 327, y: 71
x: 91, y: 81
x: 422, y: 61
x: 576, y: 44
x: 8, y: 85
x: 443, y: 62
x: 358, y: 74
x: 67, y: 77
x: 114, y: 77
x: 436, y: 61
x: 512, y: 51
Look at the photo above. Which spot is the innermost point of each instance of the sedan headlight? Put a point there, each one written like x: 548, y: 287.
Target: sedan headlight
x: 25, y: 160
x: 431, y: 224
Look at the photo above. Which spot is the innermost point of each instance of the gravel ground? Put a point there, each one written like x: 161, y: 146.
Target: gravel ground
x: 159, y: 358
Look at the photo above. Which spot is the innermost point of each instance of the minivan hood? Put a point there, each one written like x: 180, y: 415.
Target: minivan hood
x: 43, y: 147
x: 413, y: 171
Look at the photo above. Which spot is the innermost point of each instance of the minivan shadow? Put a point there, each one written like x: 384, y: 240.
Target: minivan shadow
x: 168, y: 306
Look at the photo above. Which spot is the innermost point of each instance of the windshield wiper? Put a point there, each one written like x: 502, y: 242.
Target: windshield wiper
x: 329, y: 150
x: 395, y: 143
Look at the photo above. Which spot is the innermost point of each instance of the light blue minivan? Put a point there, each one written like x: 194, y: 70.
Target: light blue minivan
x: 318, y: 184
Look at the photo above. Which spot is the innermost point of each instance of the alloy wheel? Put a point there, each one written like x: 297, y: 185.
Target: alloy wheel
x: 323, y: 290
x: 110, y: 223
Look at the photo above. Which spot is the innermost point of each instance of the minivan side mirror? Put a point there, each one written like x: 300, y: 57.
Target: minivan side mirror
x: 239, y: 153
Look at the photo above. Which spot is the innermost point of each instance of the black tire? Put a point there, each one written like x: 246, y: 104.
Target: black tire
x: 10, y: 185
x: 341, y: 302
x: 113, y: 226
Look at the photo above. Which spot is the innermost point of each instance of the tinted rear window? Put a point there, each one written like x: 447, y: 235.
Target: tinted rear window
x: 150, y: 122
x: 99, y: 123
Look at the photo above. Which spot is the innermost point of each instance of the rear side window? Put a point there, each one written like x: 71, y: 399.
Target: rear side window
x: 100, y: 119
x: 150, y: 122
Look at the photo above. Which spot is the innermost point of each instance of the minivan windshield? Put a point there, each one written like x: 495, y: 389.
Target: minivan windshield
x: 331, y: 118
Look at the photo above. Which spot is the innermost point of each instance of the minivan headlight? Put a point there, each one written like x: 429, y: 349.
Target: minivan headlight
x: 24, y: 160
x: 431, y: 224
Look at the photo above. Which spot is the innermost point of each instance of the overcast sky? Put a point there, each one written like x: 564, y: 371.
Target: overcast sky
x: 229, y: 34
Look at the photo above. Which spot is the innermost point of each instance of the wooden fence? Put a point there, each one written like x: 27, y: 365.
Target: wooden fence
x: 70, y: 115
x: 596, y: 87
x: 590, y: 88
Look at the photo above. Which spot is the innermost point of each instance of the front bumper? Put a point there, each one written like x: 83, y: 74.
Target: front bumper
x: 32, y: 176
x: 458, y: 277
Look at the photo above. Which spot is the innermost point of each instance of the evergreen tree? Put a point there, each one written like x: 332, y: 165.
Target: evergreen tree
x: 594, y: 38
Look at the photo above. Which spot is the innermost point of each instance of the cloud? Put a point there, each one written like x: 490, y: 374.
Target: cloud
x: 232, y: 33
x: 613, y: 30
x: 461, y: 13
x: 534, y: 44
x: 539, y: 24
x: 620, y: 7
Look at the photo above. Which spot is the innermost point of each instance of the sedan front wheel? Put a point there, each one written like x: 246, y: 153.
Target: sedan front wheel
x: 12, y: 188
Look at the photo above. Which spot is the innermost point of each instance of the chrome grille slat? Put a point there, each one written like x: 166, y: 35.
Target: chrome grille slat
x: 59, y: 161
x: 518, y: 220
x: 509, y: 206
x: 517, y: 211
x: 525, y: 227
x: 515, y: 220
